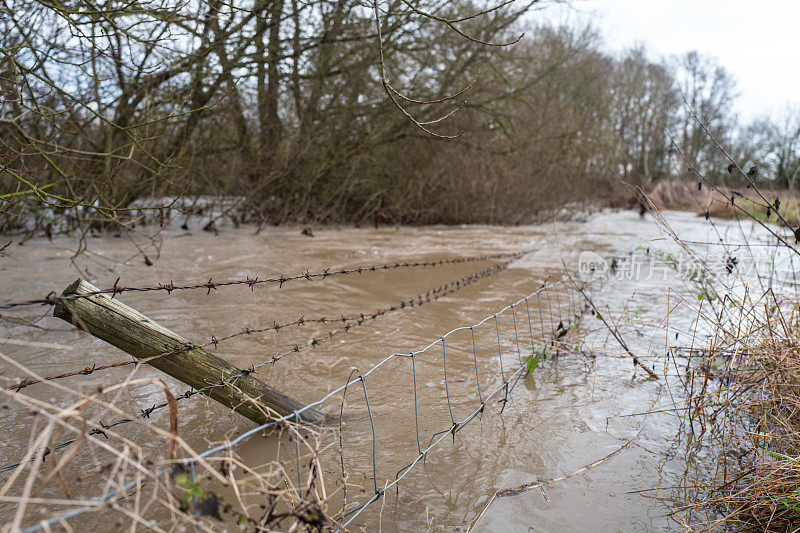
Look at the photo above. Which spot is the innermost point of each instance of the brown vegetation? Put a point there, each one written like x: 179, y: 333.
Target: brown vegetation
x: 749, y: 410
x: 304, y: 111
x: 716, y: 202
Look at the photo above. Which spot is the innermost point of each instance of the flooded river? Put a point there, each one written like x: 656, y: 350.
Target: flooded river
x: 571, y: 411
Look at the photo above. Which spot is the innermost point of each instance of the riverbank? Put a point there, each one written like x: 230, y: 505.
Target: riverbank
x: 700, y: 198
x: 741, y: 380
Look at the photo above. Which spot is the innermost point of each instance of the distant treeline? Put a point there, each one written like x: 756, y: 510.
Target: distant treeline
x: 313, y: 111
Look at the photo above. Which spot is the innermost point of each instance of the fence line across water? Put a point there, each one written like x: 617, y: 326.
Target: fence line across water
x: 53, y: 298
x: 348, y: 324
x: 415, y: 301
x: 555, y: 319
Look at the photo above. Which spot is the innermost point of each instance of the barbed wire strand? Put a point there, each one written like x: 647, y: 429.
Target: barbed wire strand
x: 53, y: 298
x: 349, y: 322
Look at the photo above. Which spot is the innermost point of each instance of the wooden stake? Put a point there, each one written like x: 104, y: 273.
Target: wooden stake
x: 124, y: 327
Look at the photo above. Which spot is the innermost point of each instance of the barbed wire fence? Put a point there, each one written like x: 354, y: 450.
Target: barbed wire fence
x: 168, y: 287
x: 510, y: 341
x: 347, y: 324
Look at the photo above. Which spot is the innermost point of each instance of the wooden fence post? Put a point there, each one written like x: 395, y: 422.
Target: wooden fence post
x: 124, y: 327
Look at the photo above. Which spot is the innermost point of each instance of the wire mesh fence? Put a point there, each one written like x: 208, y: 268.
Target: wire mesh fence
x: 380, y: 425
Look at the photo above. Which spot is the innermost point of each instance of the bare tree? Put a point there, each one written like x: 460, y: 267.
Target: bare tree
x: 708, y: 90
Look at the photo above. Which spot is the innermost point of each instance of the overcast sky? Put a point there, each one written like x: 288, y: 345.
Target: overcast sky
x: 758, y: 42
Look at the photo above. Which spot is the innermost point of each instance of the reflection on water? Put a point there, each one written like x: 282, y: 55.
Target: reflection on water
x: 572, y: 410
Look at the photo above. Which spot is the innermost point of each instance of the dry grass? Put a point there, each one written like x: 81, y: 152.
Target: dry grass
x: 789, y: 207
x: 749, y: 405
x: 154, y: 486
x: 683, y: 195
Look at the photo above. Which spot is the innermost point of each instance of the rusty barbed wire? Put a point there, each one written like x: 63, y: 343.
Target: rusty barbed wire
x: 53, y: 298
x: 349, y: 323
x: 214, y: 341
x: 416, y: 301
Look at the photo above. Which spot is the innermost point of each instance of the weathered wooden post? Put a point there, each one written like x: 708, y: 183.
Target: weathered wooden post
x: 124, y: 327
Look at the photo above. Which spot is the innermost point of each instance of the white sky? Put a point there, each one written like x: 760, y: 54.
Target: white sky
x: 758, y: 42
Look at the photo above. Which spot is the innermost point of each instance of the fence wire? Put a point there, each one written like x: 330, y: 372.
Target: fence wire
x: 347, y: 324
x: 415, y: 301
x: 53, y: 298
x: 557, y: 306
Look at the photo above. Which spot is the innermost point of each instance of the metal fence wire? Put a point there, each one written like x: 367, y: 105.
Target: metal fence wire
x: 511, y: 341
x: 347, y: 324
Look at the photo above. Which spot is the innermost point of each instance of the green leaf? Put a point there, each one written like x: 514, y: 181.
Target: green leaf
x: 776, y: 454
x: 787, y: 505
x: 532, y: 363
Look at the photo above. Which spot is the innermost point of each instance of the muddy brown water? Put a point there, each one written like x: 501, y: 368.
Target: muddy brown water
x: 570, y: 412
